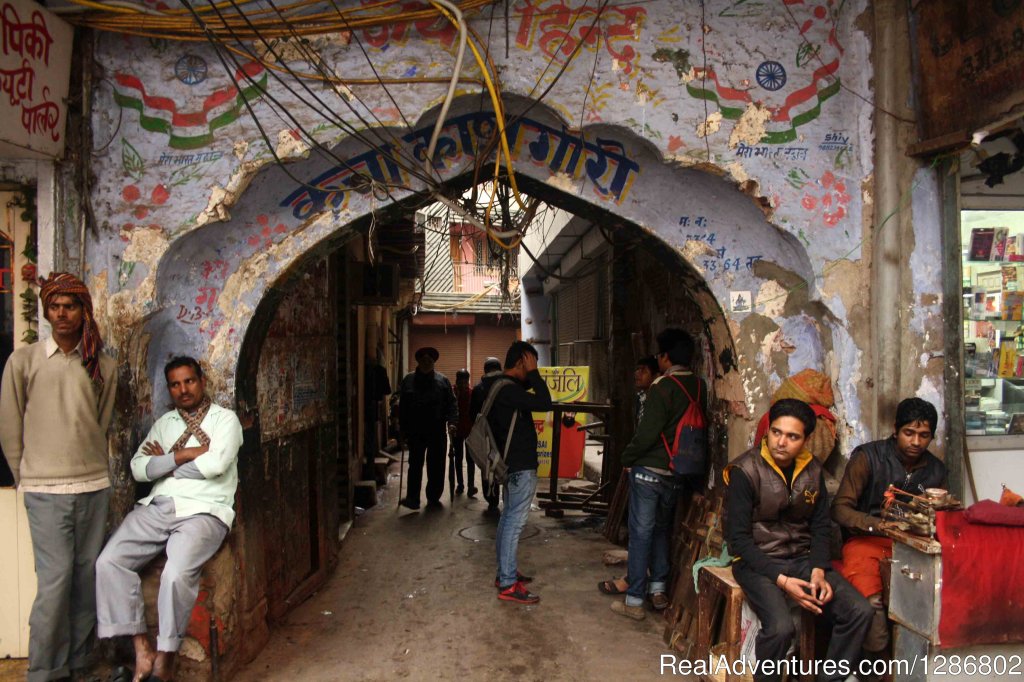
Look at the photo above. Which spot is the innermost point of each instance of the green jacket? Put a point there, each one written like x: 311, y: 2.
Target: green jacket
x: 665, y: 406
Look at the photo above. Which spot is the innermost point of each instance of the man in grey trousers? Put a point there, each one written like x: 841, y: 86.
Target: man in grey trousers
x: 191, y: 454
x: 56, y: 403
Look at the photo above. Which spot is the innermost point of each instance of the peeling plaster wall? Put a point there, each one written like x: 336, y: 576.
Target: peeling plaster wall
x: 923, y: 333
x: 727, y: 135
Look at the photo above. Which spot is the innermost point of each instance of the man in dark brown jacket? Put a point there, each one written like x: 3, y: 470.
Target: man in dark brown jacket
x: 777, y: 526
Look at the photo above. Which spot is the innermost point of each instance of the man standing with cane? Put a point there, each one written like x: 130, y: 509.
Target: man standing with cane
x: 426, y: 406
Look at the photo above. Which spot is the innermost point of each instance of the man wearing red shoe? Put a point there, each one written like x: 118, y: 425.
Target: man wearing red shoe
x: 526, y: 393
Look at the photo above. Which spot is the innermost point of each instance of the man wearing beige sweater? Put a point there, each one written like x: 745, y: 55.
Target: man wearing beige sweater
x: 56, y: 402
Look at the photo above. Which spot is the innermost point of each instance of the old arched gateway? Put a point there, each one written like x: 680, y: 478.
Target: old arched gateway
x: 744, y: 176
x: 238, y: 294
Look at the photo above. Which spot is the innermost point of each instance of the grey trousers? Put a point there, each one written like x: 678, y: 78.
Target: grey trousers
x: 67, y: 534
x: 190, y: 542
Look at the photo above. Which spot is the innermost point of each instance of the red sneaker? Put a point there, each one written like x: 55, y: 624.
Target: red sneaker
x: 519, y: 578
x: 518, y: 593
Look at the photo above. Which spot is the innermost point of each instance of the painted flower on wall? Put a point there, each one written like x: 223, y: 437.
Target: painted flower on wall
x: 832, y: 202
x: 140, y: 208
x: 265, y: 232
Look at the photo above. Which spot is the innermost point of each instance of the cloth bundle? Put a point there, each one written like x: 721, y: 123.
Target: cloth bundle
x: 815, y: 389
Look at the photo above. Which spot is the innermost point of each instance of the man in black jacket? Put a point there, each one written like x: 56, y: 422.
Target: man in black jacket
x: 515, y: 399
x: 426, y: 405
x: 901, y: 460
x: 492, y: 371
x: 777, y: 525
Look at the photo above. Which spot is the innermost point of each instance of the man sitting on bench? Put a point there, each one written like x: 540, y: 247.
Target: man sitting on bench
x: 901, y: 460
x: 777, y: 525
x: 191, y: 454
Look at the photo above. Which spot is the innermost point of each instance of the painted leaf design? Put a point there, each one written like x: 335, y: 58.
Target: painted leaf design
x: 134, y: 166
x: 185, y: 174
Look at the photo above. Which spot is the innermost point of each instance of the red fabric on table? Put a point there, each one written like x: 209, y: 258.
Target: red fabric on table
x: 995, y: 514
x: 982, y: 582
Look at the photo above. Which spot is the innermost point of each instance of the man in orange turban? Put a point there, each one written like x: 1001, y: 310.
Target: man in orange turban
x: 56, y: 403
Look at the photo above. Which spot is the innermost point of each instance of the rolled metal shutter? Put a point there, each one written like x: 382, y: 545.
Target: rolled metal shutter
x: 491, y: 340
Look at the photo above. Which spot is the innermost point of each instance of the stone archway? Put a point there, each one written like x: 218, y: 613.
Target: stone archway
x: 211, y: 280
x: 218, y: 285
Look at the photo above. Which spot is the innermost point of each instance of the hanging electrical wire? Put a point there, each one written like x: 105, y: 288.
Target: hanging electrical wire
x: 298, y: 18
x: 392, y: 146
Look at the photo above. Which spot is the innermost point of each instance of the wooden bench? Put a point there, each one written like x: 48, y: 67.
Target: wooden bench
x: 716, y: 584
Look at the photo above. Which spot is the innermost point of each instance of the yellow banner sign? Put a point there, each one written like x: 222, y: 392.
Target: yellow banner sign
x: 567, y: 385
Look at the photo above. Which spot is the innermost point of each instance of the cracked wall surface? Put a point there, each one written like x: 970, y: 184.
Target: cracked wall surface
x: 740, y: 137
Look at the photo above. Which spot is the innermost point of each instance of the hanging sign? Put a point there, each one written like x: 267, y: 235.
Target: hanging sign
x: 35, y: 66
x: 567, y: 385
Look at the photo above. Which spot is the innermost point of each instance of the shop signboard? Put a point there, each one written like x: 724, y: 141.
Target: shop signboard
x: 35, y: 66
x: 567, y: 385
x: 969, y: 67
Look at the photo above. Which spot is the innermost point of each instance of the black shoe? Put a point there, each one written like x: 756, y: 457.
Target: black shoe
x: 472, y: 492
x: 492, y: 511
x: 408, y: 504
x: 459, y: 489
x: 434, y: 504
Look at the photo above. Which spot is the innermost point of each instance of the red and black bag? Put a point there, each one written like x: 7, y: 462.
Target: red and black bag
x: 689, y: 450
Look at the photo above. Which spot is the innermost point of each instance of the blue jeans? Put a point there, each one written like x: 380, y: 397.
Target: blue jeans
x: 519, y: 491
x: 652, y: 507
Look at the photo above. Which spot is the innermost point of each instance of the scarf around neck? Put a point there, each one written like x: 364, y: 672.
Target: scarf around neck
x: 193, y: 424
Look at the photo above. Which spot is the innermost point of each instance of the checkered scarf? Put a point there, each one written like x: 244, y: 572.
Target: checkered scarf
x: 66, y: 284
x: 193, y: 424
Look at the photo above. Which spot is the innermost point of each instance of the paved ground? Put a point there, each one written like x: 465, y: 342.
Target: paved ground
x: 413, y: 598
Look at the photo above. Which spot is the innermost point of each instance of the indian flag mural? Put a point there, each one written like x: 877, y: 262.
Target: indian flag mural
x: 792, y: 87
x: 191, y: 129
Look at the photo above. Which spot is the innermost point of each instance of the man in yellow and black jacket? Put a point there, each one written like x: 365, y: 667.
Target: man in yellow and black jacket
x: 653, y: 486
x: 777, y: 525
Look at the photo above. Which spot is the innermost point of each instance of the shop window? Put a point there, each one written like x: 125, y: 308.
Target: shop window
x: 993, y: 298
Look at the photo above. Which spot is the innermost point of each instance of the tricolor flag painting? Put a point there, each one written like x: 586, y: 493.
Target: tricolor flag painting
x: 792, y: 90
x: 191, y: 129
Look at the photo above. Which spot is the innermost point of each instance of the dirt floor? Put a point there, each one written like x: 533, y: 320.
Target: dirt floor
x: 413, y: 598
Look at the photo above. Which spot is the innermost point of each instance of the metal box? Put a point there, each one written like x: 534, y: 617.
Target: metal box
x: 914, y: 590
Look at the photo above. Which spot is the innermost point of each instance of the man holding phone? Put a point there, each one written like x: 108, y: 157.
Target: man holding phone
x: 777, y: 525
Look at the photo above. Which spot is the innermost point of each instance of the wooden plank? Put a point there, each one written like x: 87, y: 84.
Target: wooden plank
x: 969, y: 67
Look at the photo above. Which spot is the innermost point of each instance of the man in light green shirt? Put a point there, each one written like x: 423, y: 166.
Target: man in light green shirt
x: 191, y: 456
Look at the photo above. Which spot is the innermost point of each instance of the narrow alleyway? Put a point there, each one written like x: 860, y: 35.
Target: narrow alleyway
x: 413, y: 598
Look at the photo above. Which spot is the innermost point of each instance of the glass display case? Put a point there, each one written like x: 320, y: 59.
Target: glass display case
x: 993, y: 299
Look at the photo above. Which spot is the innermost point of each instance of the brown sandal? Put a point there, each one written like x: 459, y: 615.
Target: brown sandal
x: 609, y: 587
x: 659, y: 601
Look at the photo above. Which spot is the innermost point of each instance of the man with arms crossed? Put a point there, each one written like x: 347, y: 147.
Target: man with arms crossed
x: 191, y: 455
x: 56, y: 404
x: 777, y: 525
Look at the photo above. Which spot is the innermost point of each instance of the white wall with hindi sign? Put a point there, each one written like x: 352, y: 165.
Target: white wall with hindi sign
x: 35, y: 65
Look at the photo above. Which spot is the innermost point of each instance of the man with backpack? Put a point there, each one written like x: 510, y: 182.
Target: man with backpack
x: 492, y: 372
x: 654, y: 478
x: 520, y: 392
